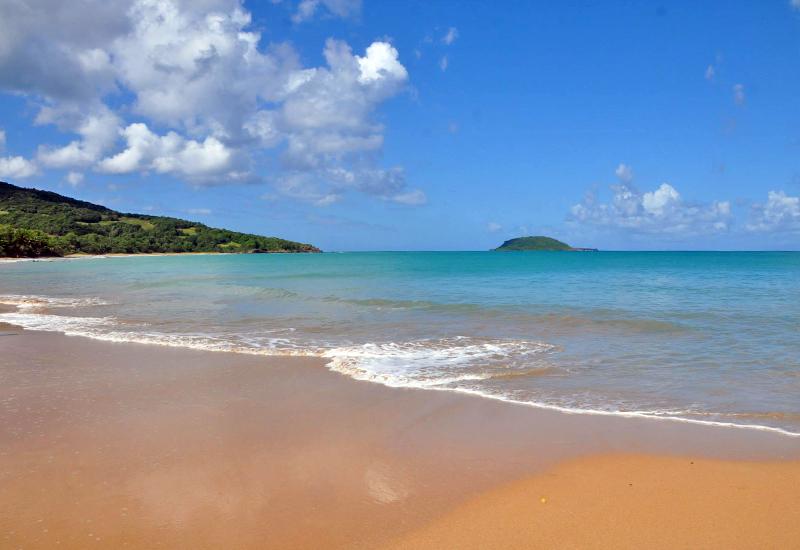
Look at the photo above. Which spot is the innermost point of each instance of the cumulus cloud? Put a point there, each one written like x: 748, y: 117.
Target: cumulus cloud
x: 74, y: 178
x: 98, y: 132
x: 380, y: 65
x: 12, y: 168
x: 331, y: 140
x: 493, y: 227
x: 306, y: 9
x: 170, y: 153
x: 450, y: 36
x: 326, y: 114
x: 781, y: 213
x: 624, y: 173
x: 662, y: 210
x: 198, y: 73
x: 15, y: 167
x: 47, y: 47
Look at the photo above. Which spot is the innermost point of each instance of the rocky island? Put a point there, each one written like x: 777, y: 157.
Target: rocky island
x: 539, y: 243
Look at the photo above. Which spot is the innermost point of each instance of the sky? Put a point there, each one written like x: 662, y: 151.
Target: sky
x: 416, y: 125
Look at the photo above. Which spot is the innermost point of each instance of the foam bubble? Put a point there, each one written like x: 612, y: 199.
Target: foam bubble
x: 108, y: 330
x: 438, y: 362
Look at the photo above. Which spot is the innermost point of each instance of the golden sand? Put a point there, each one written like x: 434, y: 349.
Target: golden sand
x: 130, y: 446
x: 630, y: 501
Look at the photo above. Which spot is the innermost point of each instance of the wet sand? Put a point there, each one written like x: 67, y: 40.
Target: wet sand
x: 124, y: 445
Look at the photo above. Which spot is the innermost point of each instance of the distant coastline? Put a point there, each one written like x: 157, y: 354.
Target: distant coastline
x: 11, y: 260
x: 35, y: 223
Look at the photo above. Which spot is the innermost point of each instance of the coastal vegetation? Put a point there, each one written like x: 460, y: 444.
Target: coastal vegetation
x: 36, y: 223
x: 24, y: 243
x: 537, y: 243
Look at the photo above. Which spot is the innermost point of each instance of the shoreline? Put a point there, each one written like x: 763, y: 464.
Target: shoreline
x: 9, y: 307
x: 110, y: 255
x: 643, y: 421
x: 284, y: 449
x: 144, y: 254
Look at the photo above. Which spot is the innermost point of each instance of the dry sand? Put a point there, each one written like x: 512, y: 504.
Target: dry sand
x: 630, y: 501
x: 124, y: 445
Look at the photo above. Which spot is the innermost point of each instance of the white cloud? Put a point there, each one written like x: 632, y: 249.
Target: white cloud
x: 781, y: 213
x: 199, y: 211
x: 795, y: 4
x: 380, y: 65
x: 329, y: 185
x: 170, y: 153
x: 12, y: 168
x: 659, y: 201
x: 660, y: 211
x: 711, y: 71
x: 624, y: 173
x: 15, y: 167
x: 74, y: 178
x: 443, y: 63
x: 48, y: 49
x: 330, y: 137
x: 738, y: 94
x: 337, y: 100
x: 450, y: 36
x: 196, y: 71
x: 306, y: 9
x: 98, y: 130
x: 493, y: 227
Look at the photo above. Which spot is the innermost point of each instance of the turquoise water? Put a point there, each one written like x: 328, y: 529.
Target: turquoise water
x: 698, y: 336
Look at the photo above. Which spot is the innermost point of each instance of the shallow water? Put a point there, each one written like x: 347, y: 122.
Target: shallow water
x: 698, y: 336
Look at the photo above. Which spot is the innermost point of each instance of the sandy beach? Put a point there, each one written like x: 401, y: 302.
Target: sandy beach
x: 116, y: 255
x: 124, y: 445
x: 392, y: 275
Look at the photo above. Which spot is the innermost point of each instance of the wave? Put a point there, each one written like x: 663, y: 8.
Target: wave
x: 671, y: 415
x: 107, y: 329
x: 435, y: 362
x: 28, y: 302
x: 445, y: 364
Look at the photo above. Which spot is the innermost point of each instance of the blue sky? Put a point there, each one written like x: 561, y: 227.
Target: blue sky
x: 416, y: 125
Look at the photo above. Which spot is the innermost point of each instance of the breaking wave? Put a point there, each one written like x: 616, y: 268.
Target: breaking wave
x: 461, y: 364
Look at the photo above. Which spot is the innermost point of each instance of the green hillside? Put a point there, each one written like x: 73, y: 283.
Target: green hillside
x: 536, y: 243
x: 41, y: 223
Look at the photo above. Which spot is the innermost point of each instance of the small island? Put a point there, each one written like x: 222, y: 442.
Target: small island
x: 538, y: 243
x: 36, y: 223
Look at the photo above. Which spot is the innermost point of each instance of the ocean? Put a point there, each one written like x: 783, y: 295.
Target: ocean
x: 708, y: 337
